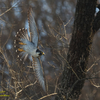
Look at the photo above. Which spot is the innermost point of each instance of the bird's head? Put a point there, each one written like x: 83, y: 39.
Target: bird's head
x: 39, y: 52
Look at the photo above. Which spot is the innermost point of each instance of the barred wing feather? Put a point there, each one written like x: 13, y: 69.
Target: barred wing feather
x: 32, y: 27
x: 39, y: 73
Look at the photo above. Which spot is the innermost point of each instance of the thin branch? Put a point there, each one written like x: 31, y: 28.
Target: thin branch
x: 47, y: 96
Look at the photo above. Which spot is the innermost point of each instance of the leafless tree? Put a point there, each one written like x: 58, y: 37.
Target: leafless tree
x: 86, y: 24
x: 69, y: 60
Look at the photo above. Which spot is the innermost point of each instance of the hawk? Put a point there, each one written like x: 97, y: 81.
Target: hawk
x: 28, y: 45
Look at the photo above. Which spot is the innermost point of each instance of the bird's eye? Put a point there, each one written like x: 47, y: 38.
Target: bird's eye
x: 38, y: 50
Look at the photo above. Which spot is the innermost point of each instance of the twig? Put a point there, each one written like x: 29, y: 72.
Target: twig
x: 47, y: 96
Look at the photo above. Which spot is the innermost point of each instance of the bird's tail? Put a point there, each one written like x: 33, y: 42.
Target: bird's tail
x: 19, y: 43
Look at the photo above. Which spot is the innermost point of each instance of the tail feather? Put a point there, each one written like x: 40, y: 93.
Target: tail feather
x: 18, y: 44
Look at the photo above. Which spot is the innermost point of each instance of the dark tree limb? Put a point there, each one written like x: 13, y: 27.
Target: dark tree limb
x: 85, y: 26
x: 96, y: 23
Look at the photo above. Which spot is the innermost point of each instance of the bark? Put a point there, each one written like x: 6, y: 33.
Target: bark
x: 74, y: 74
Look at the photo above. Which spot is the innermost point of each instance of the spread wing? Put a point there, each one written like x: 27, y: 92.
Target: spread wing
x: 39, y: 72
x: 32, y: 27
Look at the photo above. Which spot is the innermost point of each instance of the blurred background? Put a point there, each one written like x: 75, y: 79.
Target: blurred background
x: 54, y: 19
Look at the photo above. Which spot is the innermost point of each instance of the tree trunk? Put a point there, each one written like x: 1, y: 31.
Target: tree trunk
x: 74, y: 73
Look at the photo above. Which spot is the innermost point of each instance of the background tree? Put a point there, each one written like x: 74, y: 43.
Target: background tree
x: 85, y: 26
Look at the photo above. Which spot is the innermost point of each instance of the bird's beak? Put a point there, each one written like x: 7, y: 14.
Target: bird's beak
x: 43, y: 53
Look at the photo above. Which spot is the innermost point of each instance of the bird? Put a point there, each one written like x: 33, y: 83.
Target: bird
x: 28, y: 45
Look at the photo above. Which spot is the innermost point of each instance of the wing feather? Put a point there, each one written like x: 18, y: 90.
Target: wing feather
x: 32, y: 27
x: 39, y: 72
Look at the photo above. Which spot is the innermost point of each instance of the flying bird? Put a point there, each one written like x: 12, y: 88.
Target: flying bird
x: 28, y: 45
